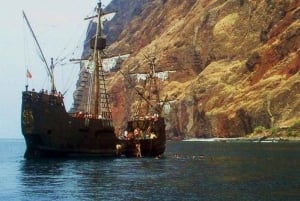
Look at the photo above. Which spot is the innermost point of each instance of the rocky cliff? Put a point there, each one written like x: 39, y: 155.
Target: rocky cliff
x: 126, y: 12
x: 237, y: 62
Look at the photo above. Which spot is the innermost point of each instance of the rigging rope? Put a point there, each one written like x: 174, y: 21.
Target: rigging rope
x: 89, y: 102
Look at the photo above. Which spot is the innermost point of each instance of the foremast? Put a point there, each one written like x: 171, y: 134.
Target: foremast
x: 48, y: 69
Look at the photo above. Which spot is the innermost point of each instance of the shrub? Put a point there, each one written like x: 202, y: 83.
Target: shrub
x: 290, y: 132
x: 297, y: 124
x: 259, y: 129
x: 274, y: 130
x: 252, y: 61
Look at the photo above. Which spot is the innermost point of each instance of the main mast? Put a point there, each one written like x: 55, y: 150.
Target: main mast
x: 97, y: 60
x: 101, y: 104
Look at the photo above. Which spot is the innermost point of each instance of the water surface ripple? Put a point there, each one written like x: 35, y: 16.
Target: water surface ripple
x: 188, y: 171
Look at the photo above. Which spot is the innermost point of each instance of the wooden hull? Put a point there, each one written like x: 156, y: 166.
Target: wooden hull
x: 50, y: 131
x: 148, y: 148
x: 144, y: 145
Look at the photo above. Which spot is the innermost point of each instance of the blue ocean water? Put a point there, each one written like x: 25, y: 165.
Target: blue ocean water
x: 188, y: 171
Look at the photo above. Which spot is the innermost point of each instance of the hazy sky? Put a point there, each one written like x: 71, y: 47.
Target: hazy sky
x: 59, y: 27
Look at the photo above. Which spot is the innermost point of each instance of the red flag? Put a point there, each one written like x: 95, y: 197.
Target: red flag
x: 28, y: 75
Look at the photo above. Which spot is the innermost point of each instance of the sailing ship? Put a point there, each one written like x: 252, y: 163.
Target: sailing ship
x: 50, y: 131
x: 146, y: 129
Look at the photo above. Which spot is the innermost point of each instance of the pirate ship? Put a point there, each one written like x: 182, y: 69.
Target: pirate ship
x: 146, y: 129
x: 50, y: 131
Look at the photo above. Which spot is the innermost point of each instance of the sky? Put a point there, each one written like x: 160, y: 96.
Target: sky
x: 60, y: 30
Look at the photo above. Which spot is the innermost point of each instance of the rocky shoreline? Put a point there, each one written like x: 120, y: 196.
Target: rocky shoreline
x: 245, y: 139
x: 259, y: 135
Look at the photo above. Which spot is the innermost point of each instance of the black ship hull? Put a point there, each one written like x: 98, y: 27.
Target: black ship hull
x: 142, y: 144
x: 148, y: 148
x: 50, y: 131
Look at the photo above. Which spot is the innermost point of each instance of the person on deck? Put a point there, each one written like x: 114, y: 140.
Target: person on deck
x: 152, y: 135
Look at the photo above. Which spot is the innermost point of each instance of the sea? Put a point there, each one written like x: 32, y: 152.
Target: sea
x: 242, y: 171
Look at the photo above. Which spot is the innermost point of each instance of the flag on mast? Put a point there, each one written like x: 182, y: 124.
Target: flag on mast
x: 28, y: 74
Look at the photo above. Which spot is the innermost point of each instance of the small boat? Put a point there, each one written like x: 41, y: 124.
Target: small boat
x: 50, y: 131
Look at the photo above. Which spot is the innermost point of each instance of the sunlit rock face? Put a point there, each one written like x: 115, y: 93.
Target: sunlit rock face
x: 237, y: 62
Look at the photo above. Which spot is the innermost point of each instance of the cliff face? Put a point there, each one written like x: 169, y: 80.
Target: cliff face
x: 237, y: 62
x: 126, y: 11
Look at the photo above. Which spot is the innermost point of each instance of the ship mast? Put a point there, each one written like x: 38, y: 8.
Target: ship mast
x: 101, y: 104
x: 48, y: 69
x: 97, y: 60
x: 150, y: 102
x: 153, y: 88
